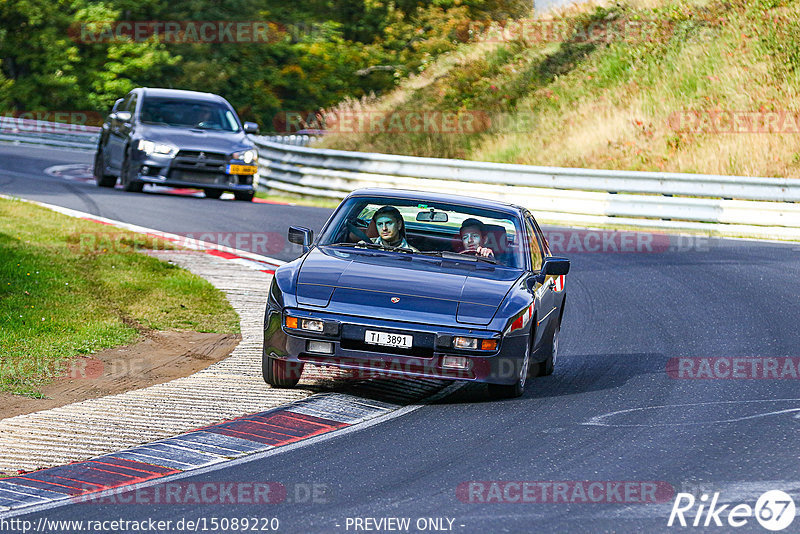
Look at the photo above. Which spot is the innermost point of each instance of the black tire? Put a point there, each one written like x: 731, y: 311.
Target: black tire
x: 212, y: 193
x: 280, y: 373
x: 546, y: 367
x: 512, y: 391
x: 124, y: 175
x: 245, y: 196
x: 100, y: 177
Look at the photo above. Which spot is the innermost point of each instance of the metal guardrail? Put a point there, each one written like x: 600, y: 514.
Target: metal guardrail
x: 42, y: 133
x: 730, y: 205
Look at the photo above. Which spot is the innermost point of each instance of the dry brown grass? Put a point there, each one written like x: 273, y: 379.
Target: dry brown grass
x: 627, y: 121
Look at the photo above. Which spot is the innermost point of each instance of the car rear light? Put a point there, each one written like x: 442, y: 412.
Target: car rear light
x: 455, y: 362
x: 291, y: 322
x: 313, y: 325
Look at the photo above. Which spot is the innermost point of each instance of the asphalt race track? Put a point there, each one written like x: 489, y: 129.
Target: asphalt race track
x: 618, y: 411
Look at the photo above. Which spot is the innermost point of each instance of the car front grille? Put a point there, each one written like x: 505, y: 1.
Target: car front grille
x: 196, y: 160
x: 203, y: 178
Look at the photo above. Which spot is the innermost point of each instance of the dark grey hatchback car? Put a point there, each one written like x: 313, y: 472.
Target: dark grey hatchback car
x: 179, y: 139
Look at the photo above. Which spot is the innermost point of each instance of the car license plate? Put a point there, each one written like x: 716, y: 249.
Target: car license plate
x: 390, y: 340
x: 242, y: 169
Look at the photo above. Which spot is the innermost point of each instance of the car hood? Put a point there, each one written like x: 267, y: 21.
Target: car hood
x: 404, y: 287
x: 196, y: 139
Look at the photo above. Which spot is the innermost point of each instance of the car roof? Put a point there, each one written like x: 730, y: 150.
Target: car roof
x: 180, y: 93
x: 426, y: 196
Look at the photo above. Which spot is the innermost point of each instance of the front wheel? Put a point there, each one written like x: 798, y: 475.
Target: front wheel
x: 245, y: 196
x: 280, y: 373
x: 511, y: 391
x: 128, y: 184
x: 100, y: 177
x: 213, y: 193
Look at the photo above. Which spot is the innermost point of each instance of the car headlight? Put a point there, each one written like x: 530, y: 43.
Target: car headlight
x: 248, y: 156
x: 151, y: 147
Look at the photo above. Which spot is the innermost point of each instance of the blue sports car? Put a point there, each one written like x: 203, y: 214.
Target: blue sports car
x: 419, y: 284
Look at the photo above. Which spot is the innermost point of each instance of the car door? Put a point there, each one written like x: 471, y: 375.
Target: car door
x: 545, y: 300
x: 119, y: 129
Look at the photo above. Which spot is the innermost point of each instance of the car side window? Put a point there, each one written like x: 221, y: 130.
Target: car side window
x: 534, y: 248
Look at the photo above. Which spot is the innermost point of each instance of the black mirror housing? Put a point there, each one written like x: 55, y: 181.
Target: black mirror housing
x: 555, y: 266
x: 300, y: 235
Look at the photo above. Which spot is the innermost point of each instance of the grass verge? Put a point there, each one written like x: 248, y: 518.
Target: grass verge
x: 699, y: 86
x: 70, y: 287
x: 287, y: 198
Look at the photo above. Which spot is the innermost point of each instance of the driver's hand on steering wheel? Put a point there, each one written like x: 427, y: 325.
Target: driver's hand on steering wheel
x: 486, y: 252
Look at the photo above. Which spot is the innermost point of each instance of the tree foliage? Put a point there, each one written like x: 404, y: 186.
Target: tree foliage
x: 321, y: 51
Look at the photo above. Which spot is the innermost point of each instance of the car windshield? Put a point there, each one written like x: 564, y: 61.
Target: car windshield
x: 428, y: 228
x: 188, y: 114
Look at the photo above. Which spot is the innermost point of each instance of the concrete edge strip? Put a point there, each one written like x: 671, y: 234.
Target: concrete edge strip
x: 249, y: 259
x: 243, y: 439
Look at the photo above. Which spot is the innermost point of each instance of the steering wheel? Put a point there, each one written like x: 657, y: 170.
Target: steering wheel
x: 351, y: 226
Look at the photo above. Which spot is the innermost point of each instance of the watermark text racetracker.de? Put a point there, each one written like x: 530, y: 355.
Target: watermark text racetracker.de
x: 119, y: 525
x: 264, y: 243
x: 64, y: 121
x: 177, y: 31
x: 613, y: 241
x: 733, y: 368
x: 723, y: 121
x: 564, y: 491
x: 211, y: 493
x: 418, y: 121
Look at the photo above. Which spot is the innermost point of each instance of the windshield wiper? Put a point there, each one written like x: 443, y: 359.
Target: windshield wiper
x: 446, y: 254
x: 364, y: 244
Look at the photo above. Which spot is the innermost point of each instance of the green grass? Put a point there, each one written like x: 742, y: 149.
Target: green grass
x: 287, y: 198
x: 70, y: 287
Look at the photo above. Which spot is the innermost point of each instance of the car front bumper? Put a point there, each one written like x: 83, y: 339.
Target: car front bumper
x: 348, y: 349
x: 190, y: 172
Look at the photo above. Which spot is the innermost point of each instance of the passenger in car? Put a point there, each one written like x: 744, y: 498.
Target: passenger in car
x: 473, y: 237
x: 391, y: 228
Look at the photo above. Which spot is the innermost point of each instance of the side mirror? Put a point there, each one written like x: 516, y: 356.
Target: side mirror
x: 122, y: 116
x: 299, y: 235
x: 555, y: 266
x: 250, y: 128
x: 552, y: 267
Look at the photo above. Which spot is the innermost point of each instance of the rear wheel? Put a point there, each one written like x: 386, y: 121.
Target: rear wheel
x: 127, y: 183
x: 212, y: 193
x: 511, y: 391
x: 280, y: 373
x: 245, y: 196
x: 100, y: 177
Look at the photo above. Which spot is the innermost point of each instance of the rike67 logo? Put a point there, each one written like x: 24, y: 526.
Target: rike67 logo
x: 774, y: 510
